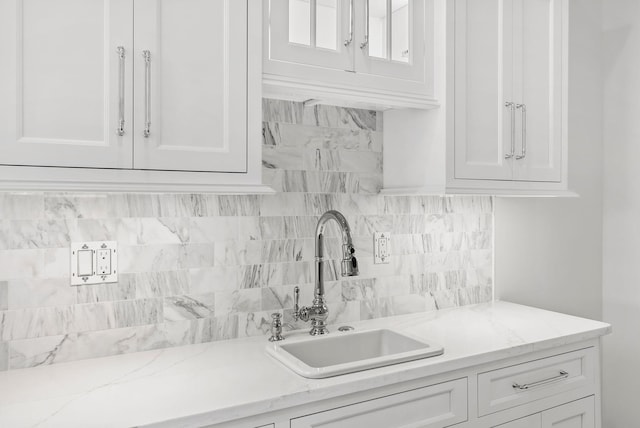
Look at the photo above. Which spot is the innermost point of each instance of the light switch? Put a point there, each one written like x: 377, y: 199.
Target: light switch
x: 85, y: 262
x: 94, y: 262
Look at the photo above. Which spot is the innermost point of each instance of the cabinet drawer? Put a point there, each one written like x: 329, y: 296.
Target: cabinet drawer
x: 435, y: 406
x: 519, y: 384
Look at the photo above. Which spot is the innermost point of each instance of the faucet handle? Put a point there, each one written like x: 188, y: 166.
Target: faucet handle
x: 276, y: 327
x: 296, y: 301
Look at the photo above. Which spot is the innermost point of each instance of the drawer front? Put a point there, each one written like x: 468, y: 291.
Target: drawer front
x: 519, y: 384
x: 435, y: 406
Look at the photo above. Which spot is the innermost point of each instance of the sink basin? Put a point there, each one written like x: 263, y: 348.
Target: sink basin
x: 339, y: 353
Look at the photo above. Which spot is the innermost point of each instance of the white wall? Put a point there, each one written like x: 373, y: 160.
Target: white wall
x: 621, y: 268
x: 549, y: 251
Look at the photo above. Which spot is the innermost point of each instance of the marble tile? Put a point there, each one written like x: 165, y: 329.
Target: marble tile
x: 290, y: 158
x: 124, y: 289
x: 4, y: 295
x: 146, y: 285
x: 4, y: 356
x: 56, y: 263
x: 342, y: 161
x: 21, y: 206
x: 150, y: 258
x: 281, y: 111
x: 175, y: 333
x: 246, y: 300
x: 339, y: 117
x: 35, y: 322
x: 218, y: 278
x: 198, y: 255
x: 212, y: 229
x: 112, y: 315
x: 76, y: 206
x: 314, y: 137
x: 187, y: 307
x: 36, y: 292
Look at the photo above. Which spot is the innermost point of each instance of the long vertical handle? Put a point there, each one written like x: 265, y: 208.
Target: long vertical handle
x: 512, y: 109
x: 350, y: 39
x: 523, y: 154
x: 296, y: 302
x: 120, y: 129
x: 147, y: 93
x: 366, y: 26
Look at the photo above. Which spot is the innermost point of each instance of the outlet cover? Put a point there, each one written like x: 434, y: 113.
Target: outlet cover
x: 94, y: 262
x: 381, y: 247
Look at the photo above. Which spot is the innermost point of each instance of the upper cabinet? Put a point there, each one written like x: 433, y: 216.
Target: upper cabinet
x: 375, y: 53
x: 502, y: 73
x: 131, y: 95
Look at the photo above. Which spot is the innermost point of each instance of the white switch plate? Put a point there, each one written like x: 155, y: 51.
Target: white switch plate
x: 381, y: 247
x: 94, y: 262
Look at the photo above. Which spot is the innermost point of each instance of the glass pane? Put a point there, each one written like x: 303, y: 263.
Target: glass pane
x: 300, y: 22
x: 400, y: 30
x: 378, y: 28
x: 326, y: 23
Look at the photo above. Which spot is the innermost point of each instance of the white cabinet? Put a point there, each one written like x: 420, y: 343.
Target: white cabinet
x: 59, y: 80
x: 502, y: 72
x: 577, y: 414
x: 508, y: 89
x: 376, y: 53
x: 131, y: 90
x: 435, y: 406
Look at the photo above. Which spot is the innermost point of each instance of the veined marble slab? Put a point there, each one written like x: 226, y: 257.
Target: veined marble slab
x: 216, y: 382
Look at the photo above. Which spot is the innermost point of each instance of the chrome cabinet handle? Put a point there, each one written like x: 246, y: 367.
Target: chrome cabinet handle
x: 120, y: 130
x: 560, y: 376
x: 147, y: 93
x: 296, y: 301
x: 350, y: 39
x: 524, y: 131
x: 512, y: 108
x: 365, y: 43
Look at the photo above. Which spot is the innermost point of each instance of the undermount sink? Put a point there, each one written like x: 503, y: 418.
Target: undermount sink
x: 340, y: 353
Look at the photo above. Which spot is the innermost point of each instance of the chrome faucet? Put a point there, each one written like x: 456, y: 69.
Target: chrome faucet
x: 318, y: 312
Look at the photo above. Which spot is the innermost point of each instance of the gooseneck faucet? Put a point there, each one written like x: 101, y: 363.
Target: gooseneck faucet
x: 318, y: 312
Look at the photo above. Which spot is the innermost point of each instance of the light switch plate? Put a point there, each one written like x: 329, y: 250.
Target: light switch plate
x: 94, y: 262
x: 381, y: 247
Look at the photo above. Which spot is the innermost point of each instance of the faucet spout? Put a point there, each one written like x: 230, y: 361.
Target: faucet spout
x: 318, y: 312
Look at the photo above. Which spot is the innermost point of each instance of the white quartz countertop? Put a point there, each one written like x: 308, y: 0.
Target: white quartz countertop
x: 216, y: 382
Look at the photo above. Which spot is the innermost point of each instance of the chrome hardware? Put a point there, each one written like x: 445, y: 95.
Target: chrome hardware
x: 351, y: 13
x: 276, y: 328
x: 524, y: 131
x: 120, y: 130
x: 512, y: 108
x: 345, y: 328
x: 318, y: 312
x: 147, y: 93
x: 562, y: 375
x: 366, y: 26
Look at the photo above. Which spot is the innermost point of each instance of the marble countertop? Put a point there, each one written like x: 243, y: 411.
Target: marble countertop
x: 216, y: 382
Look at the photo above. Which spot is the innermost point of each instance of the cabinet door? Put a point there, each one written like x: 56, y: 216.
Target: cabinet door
x: 577, y: 414
x: 533, y: 421
x: 390, y: 38
x: 434, y: 406
x: 191, y: 88
x: 538, y: 71
x: 60, y: 82
x: 483, y: 83
x: 312, y: 32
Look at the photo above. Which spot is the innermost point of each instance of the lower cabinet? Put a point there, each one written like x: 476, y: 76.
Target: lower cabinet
x: 577, y: 414
x: 436, y: 406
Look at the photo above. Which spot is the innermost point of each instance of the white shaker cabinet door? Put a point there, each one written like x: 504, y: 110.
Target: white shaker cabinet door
x: 538, y: 71
x: 533, y: 421
x: 191, y: 85
x: 577, y: 414
x: 64, y: 88
x: 483, y: 87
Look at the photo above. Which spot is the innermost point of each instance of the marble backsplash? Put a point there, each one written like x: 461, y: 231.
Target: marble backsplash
x: 197, y: 268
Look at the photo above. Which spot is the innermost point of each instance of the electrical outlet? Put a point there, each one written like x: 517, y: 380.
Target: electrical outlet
x: 94, y: 262
x: 381, y: 247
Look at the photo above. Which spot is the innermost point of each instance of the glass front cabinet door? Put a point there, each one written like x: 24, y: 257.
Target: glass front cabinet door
x: 373, y: 51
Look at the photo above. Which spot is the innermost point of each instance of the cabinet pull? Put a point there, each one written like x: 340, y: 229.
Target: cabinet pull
x: 120, y: 130
x: 365, y: 43
x: 147, y: 93
x: 512, y: 109
x: 560, y: 376
x: 524, y: 131
x: 350, y: 39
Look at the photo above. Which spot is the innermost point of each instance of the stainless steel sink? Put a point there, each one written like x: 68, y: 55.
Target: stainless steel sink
x: 339, y: 353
